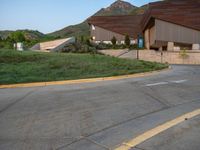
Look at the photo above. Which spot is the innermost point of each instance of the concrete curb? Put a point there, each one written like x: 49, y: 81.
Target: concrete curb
x: 91, y: 80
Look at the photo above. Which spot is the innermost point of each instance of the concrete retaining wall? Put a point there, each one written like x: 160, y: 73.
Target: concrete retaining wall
x: 130, y: 55
x: 171, y: 57
x: 189, y: 57
x: 113, y: 52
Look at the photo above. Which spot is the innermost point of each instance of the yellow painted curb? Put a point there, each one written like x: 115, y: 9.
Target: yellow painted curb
x: 153, y: 132
x: 38, y: 84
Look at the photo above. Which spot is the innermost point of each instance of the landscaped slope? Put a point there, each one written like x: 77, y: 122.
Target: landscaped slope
x: 20, y: 67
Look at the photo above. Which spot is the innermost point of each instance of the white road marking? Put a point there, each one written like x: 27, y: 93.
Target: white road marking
x: 167, y: 82
x: 178, y: 81
x: 159, y: 83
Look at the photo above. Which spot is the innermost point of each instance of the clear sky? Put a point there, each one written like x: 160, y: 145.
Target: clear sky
x: 50, y: 15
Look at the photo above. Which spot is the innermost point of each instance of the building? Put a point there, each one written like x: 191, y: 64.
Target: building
x: 172, y: 25
x: 18, y: 46
x: 166, y: 25
x: 53, y: 46
x: 104, y: 28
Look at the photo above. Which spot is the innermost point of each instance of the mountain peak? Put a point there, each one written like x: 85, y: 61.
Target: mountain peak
x: 121, y: 4
x: 119, y: 7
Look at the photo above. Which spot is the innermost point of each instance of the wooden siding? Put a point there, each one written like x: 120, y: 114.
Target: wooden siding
x: 166, y: 31
x: 101, y: 34
x: 123, y: 24
x: 182, y: 12
x: 152, y: 35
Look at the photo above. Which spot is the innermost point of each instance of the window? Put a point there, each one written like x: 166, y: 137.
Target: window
x: 107, y: 42
x: 133, y: 42
x: 93, y: 27
x: 97, y: 42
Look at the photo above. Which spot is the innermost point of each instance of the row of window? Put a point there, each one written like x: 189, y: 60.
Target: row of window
x: 109, y: 42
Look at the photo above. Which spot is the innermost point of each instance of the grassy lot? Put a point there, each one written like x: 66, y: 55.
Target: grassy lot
x: 21, y: 67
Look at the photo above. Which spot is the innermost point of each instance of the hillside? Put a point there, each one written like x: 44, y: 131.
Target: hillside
x: 139, y: 10
x: 74, y: 30
x: 117, y: 8
x: 29, y: 34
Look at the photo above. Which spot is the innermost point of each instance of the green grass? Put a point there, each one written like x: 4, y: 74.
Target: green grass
x: 24, y: 67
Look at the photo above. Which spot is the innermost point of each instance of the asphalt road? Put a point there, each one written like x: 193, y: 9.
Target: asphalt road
x: 102, y: 115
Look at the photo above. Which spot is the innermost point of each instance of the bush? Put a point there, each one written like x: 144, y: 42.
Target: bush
x: 114, y: 40
x: 78, y: 48
x: 102, y: 46
x: 69, y: 48
x: 132, y: 47
x: 127, y: 41
x: 183, y: 54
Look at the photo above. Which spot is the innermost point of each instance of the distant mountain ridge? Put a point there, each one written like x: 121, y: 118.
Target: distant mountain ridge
x: 119, y: 7
x: 29, y: 34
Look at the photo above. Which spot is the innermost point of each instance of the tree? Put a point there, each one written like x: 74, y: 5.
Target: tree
x: 1, y: 43
x: 114, y: 40
x: 17, y: 36
x: 127, y: 40
x: 88, y: 42
x: 82, y: 38
x: 6, y: 43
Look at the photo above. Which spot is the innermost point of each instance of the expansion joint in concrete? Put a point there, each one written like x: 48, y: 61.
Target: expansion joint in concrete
x: 138, y: 148
x: 96, y: 143
x: 16, y: 101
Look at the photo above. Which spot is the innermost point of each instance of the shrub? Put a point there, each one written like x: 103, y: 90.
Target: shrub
x: 183, y: 54
x: 114, y: 40
x: 119, y: 46
x: 88, y: 42
x: 127, y: 41
x: 68, y: 48
x: 132, y: 47
x: 102, y: 46
x: 78, y: 48
x: 82, y: 39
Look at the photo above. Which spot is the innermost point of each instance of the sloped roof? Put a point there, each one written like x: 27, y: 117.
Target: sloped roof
x: 181, y: 12
x: 124, y: 24
x: 52, y: 44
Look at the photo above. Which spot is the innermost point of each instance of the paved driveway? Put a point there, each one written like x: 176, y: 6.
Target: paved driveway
x: 102, y: 115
